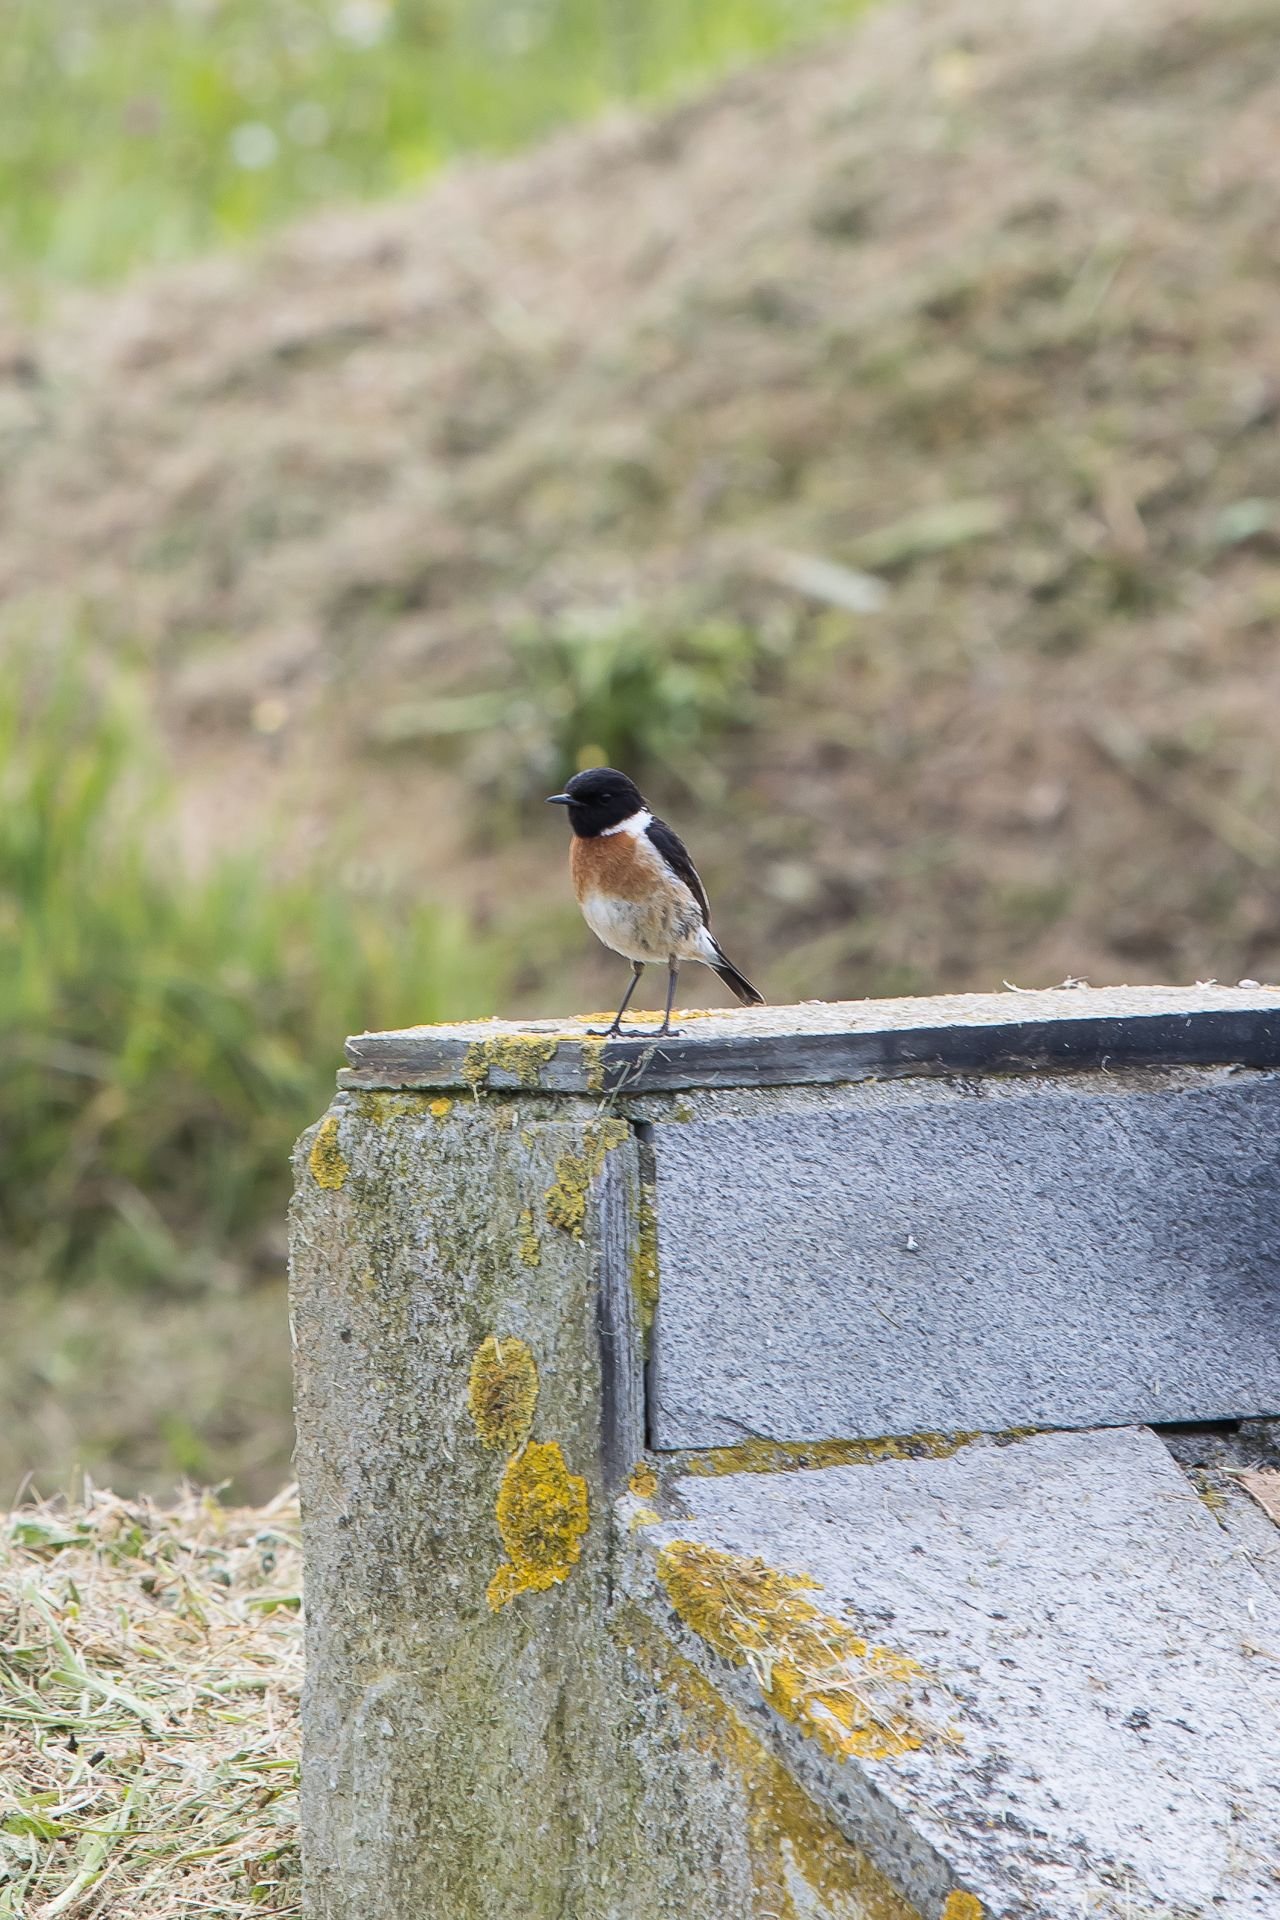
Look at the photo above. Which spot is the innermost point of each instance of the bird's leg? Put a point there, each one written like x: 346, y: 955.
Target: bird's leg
x: 607, y: 1033
x: 673, y: 971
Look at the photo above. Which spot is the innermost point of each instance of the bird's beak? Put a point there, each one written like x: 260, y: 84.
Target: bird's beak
x: 559, y: 800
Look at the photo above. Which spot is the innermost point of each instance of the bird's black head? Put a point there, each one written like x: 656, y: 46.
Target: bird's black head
x: 597, y: 800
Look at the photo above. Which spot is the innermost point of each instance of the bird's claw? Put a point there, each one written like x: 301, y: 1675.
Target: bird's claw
x: 631, y: 1033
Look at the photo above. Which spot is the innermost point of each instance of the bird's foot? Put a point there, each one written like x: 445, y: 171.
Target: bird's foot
x: 619, y: 1033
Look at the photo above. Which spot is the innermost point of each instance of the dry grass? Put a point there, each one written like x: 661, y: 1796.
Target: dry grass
x: 149, y: 1682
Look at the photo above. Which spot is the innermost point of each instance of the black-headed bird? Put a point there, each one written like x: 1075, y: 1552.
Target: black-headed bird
x: 638, y: 889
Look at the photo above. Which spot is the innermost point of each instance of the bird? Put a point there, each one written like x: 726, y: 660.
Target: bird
x: 638, y: 889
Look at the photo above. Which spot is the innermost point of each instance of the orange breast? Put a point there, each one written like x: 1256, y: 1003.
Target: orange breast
x: 614, y: 864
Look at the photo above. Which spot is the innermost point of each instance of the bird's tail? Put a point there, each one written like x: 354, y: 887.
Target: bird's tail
x: 735, y: 981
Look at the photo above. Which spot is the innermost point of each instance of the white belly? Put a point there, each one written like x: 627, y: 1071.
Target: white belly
x: 669, y: 930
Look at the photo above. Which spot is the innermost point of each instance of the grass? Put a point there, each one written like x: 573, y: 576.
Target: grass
x: 150, y: 1670
x: 133, y: 131
x: 164, y: 1034
x: 142, y: 1391
x: 647, y: 690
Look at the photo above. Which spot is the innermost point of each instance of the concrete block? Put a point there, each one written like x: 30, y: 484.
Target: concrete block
x: 449, y: 1403
x: 503, y: 1713
x: 1101, y: 1671
x: 978, y: 1254
x: 484, y: 1736
x: 823, y: 1042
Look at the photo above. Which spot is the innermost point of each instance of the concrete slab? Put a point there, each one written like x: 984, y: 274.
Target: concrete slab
x: 978, y: 1254
x: 820, y: 1043
x: 1112, y: 1661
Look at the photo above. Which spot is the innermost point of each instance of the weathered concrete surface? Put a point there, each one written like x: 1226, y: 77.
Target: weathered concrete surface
x: 431, y: 1723
x: 826, y: 1042
x: 1219, y: 1460
x: 1107, y: 1654
x: 504, y: 1716
x: 480, y: 1741
x: 1092, y: 1250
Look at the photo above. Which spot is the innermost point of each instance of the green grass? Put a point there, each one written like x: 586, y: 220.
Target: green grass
x: 133, y: 131
x: 164, y: 1036
x: 658, y: 691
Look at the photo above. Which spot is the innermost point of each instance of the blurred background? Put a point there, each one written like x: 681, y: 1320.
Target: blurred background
x: 857, y: 421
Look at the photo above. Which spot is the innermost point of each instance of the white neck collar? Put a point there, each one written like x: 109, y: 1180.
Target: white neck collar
x: 635, y: 823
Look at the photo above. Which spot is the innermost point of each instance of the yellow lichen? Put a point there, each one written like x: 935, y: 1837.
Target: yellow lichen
x: 565, y: 1202
x: 643, y: 1482
x: 789, y: 1456
x: 528, y: 1244
x: 441, y: 1107
x: 655, y: 1019
x: 542, y: 1515
x: 523, y: 1056
x: 593, y: 1061
x: 381, y: 1109
x: 1212, y: 1497
x: 812, y: 1667
x: 789, y: 1839
x: 329, y: 1165
x: 644, y: 1261
x: 519, y: 1056
x: 475, y: 1065
x: 644, y: 1517
x: 962, y: 1906
x: 502, y: 1392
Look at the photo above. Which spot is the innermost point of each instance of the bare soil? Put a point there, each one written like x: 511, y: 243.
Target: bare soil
x: 983, y: 300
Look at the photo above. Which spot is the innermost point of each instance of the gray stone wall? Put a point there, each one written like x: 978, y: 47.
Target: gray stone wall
x: 648, y: 1573
x: 1068, y: 1251
x: 486, y: 1733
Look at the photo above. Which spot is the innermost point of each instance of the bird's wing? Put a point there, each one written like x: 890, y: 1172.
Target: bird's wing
x: 676, y: 854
